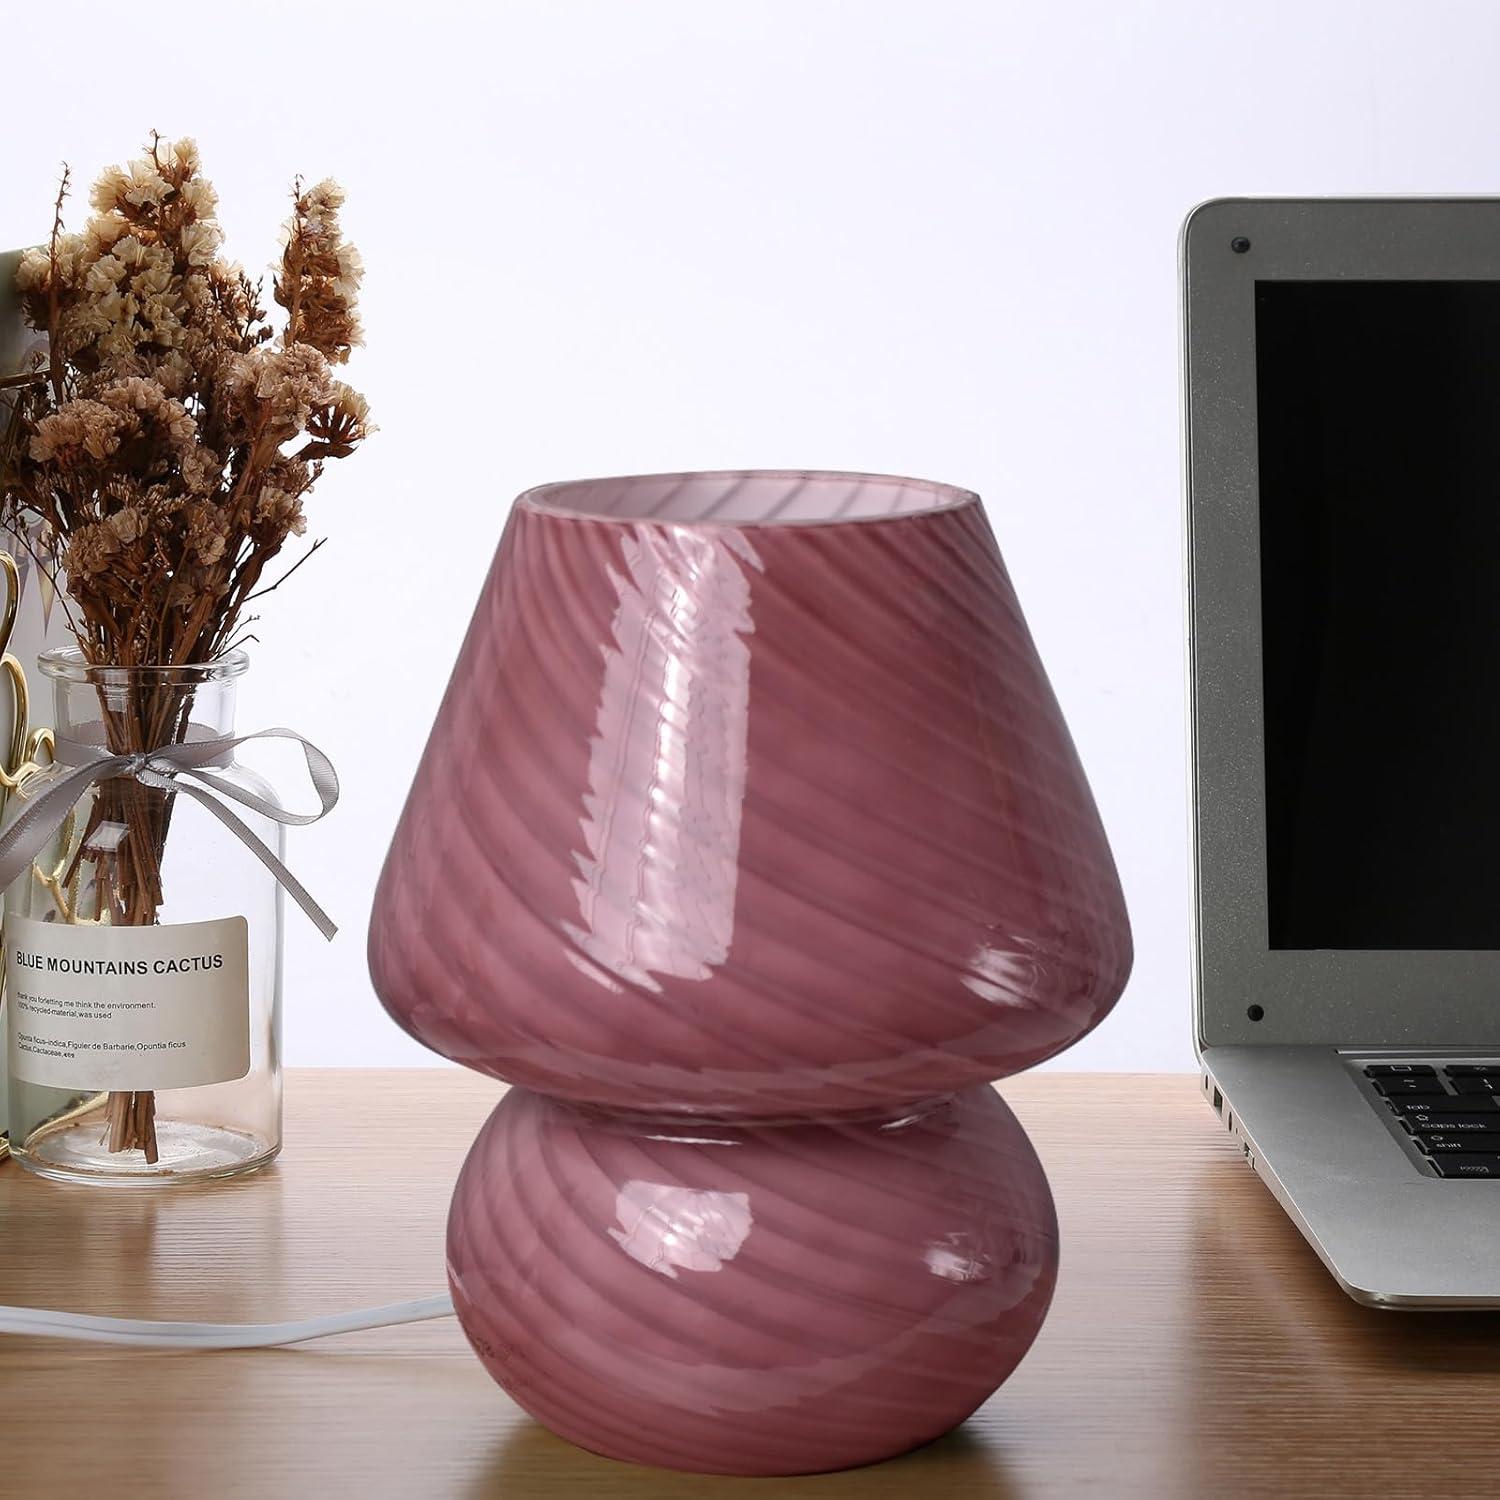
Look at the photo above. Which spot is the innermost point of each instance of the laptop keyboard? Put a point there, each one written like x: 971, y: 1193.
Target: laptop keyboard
x: 1451, y: 1111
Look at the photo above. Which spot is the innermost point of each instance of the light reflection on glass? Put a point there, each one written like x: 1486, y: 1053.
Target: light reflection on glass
x: 1004, y: 976
x: 956, y: 1258
x: 670, y: 1228
x: 659, y: 868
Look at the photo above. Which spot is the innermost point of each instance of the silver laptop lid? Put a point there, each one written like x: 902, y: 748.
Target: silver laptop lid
x: 1342, y: 393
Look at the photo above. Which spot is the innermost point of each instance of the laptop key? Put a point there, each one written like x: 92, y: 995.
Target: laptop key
x: 1397, y: 1070
x: 1446, y: 1104
x: 1467, y: 1164
x: 1425, y: 1122
x: 1437, y: 1141
x: 1457, y: 1069
x: 1476, y: 1083
x: 1407, y: 1085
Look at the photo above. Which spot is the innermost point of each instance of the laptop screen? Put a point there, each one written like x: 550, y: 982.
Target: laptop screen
x: 1379, y: 436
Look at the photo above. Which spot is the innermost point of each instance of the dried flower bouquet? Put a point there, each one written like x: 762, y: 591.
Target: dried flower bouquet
x: 166, y: 443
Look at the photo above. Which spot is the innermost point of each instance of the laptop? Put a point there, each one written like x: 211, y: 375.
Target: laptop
x: 1342, y: 419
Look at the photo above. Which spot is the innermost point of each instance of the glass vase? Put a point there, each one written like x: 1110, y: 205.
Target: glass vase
x: 143, y: 947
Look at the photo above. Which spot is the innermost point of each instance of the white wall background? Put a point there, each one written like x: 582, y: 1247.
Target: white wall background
x: 930, y: 237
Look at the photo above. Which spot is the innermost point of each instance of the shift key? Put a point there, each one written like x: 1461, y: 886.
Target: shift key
x: 1444, y: 1140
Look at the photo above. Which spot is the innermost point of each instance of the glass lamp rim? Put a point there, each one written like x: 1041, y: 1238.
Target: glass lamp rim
x: 543, y: 499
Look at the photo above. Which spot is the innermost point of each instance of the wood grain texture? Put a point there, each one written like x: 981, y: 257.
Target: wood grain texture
x: 1196, y: 1347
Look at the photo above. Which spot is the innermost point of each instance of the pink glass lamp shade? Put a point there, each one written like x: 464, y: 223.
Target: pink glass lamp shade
x: 749, y: 825
x: 749, y: 794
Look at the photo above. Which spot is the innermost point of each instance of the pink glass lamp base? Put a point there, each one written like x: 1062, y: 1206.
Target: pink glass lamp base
x: 752, y: 1299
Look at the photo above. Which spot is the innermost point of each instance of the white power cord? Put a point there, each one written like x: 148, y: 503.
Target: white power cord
x: 146, y: 1333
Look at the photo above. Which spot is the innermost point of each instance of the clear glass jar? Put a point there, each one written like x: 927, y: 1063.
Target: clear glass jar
x: 138, y: 1053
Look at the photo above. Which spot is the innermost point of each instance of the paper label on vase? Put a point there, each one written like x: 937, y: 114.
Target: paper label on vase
x: 94, y: 1007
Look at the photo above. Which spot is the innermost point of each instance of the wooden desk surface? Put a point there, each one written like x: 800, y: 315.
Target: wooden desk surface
x: 1195, y: 1348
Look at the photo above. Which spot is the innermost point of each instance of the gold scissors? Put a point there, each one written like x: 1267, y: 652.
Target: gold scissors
x: 20, y: 755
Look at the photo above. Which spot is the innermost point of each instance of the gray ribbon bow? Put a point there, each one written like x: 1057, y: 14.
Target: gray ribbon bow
x: 167, y: 768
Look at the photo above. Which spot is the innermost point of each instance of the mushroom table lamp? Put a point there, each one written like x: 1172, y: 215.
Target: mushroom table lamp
x: 750, y: 845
